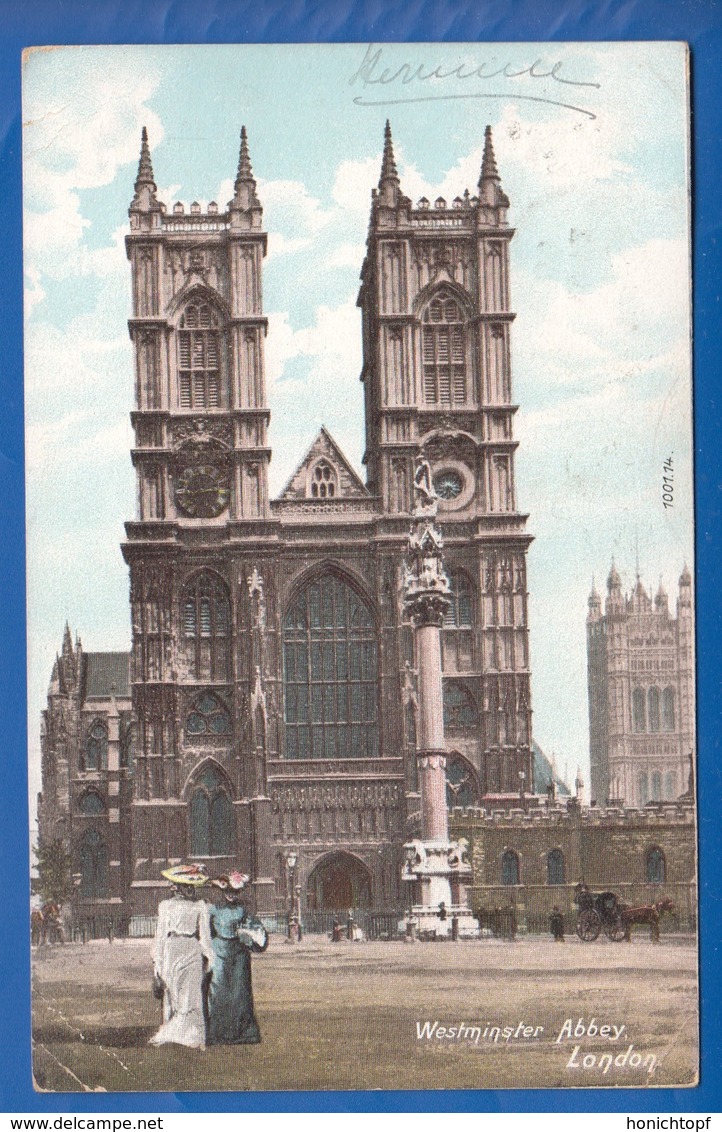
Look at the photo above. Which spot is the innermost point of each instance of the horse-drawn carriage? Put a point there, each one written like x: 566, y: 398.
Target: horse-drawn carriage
x: 598, y: 911
x: 604, y: 911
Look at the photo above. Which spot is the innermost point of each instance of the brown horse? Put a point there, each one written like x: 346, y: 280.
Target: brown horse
x: 645, y: 914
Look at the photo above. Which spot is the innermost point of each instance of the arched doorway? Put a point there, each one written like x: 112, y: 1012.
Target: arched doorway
x: 339, y: 882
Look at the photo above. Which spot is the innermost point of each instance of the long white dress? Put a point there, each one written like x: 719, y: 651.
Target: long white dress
x: 182, y: 941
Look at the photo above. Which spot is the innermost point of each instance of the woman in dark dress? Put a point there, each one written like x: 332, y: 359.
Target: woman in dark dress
x: 234, y: 934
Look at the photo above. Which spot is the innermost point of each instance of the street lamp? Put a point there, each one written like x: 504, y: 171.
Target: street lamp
x: 291, y: 861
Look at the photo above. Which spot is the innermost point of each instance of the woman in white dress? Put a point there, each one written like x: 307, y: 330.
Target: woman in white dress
x: 182, y: 946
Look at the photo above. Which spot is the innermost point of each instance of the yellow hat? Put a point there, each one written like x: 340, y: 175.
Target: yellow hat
x: 194, y: 875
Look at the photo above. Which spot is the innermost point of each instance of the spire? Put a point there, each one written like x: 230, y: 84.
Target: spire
x: 614, y: 582
x: 389, y: 172
x: 244, y: 186
x: 245, y: 171
x: 489, y: 171
x: 67, y: 641
x: 145, y: 199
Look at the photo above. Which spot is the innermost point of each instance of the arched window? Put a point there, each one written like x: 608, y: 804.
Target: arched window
x: 639, y: 722
x: 643, y: 788
x: 329, y: 667
x: 91, y: 803
x: 461, y: 784
x: 96, y: 747
x: 656, y: 786
x: 670, y: 786
x: 206, y: 622
x: 656, y: 866
x: 509, y: 867
x: 323, y: 481
x: 653, y: 705
x: 211, y: 817
x: 127, y: 744
x: 457, y: 638
x: 459, y: 707
x: 443, y: 338
x: 668, y: 709
x: 555, y: 867
x: 207, y: 717
x: 93, y: 866
x: 199, y: 378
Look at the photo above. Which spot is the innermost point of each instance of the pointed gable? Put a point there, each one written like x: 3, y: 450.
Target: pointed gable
x: 324, y: 473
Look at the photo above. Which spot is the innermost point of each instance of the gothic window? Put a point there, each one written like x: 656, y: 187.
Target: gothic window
x: 211, y: 817
x: 509, y: 867
x: 639, y: 721
x: 643, y: 789
x: 656, y: 786
x: 668, y: 709
x: 96, y: 747
x: 460, y: 712
x: 669, y: 786
x: 91, y: 803
x: 207, y: 717
x: 457, y: 636
x: 443, y: 338
x: 127, y: 744
x: 330, y: 673
x: 653, y: 708
x: 199, y: 380
x: 323, y: 481
x: 656, y: 866
x: 555, y: 867
x: 93, y: 866
x: 461, y: 783
x: 206, y: 617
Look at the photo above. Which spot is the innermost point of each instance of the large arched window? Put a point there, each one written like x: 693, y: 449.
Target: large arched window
x: 668, y: 709
x: 656, y: 790
x: 457, y: 637
x: 643, y: 788
x: 206, y: 617
x: 96, y: 747
x: 555, y: 867
x: 329, y: 667
x: 207, y: 718
x: 461, y: 783
x: 460, y: 712
x: 199, y: 374
x: 211, y: 817
x: 656, y: 866
x: 653, y: 709
x: 639, y: 718
x: 443, y: 338
x: 93, y: 866
x: 91, y: 803
x: 509, y: 867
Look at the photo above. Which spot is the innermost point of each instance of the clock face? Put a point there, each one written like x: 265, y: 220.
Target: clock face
x: 448, y: 484
x: 202, y: 492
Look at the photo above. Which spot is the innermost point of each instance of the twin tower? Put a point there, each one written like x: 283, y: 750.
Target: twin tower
x: 272, y: 675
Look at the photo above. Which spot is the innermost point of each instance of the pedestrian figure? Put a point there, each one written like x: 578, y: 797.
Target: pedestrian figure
x: 182, y: 944
x: 235, y: 934
x: 556, y: 924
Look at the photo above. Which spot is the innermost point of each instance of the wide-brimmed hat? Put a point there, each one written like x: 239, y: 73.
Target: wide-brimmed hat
x: 235, y: 881
x: 193, y: 875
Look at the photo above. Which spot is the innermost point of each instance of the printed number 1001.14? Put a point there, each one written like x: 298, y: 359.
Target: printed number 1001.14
x: 667, y: 483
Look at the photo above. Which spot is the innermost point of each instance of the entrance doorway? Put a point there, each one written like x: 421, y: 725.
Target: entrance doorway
x: 338, y: 883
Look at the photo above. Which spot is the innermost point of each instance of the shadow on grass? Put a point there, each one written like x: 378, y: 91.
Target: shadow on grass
x: 117, y: 1037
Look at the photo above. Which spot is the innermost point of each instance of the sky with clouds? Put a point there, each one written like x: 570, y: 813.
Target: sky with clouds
x: 591, y: 143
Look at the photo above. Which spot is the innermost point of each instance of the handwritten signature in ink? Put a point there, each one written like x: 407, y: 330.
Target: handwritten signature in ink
x: 374, y: 72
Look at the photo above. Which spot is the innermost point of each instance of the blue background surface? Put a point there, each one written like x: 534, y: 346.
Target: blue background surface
x: 203, y: 21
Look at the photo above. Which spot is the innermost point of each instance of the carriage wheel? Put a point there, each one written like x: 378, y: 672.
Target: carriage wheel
x: 589, y: 925
x: 616, y: 929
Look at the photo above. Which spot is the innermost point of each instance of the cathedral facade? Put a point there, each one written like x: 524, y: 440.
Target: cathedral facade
x: 266, y: 717
x: 640, y: 666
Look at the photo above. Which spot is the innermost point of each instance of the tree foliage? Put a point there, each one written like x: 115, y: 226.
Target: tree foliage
x: 54, y: 880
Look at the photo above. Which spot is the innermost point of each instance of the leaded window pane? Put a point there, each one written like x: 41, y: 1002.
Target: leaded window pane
x: 330, y: 673
x: 443, y: 352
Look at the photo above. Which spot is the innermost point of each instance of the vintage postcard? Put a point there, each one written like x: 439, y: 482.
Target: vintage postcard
x: 360, y: 567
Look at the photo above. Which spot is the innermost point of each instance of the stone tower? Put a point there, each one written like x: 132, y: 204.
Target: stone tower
x: 640, y: 665
x: 437, y: 375
x: 201, y: 461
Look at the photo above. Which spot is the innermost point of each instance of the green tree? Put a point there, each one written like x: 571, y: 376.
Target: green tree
x: 54, y: 880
